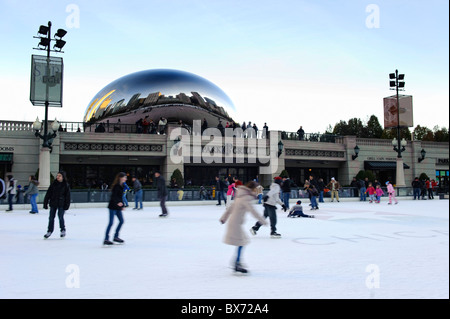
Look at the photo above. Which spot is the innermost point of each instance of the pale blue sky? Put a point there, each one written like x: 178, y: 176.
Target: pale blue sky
x: 288, y: 63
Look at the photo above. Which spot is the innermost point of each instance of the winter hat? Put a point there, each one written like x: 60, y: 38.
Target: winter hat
x: 278, y: 180
x: 332, y: 179
x: 387, y: 182
x: 299, y: 202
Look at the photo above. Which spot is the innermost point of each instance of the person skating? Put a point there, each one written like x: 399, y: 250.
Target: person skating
x: 230, y: 194
x: 58, y: 198
x: 138, y: 193
x: 115, y: 207
x: 235, y: 234
x: 379, y: 192
x: 33, y: 192
x: 391, y: 192
x: 162, y: 193
x: 371, y: 192
x: 11, y: 190
x: 313, y: 192
x: 297, y: 211
x: 270, y: 201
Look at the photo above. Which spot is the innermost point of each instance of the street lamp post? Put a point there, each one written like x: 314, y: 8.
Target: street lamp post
x: 397, y: 83
x: 48, y: 77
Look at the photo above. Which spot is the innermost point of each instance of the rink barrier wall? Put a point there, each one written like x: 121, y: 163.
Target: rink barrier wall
x: 96, y: 198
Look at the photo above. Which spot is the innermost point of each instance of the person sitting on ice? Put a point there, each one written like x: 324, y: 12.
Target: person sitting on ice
x: 297, y: 211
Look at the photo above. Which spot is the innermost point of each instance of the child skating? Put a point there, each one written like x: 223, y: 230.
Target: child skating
x: 371, y: 191
x: 391, y: 192
x: 235, y: 234
x: 379, y: 192
x: 297, y: 211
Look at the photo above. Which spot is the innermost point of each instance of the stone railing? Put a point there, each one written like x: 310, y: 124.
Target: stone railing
x: 16, y: 126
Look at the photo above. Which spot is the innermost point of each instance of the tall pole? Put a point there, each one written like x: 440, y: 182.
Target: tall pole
x: 400, y: 173
x: 399, y: 152
x: 45, y: 143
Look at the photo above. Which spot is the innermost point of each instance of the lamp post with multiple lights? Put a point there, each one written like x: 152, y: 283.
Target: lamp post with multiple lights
x: 46, y: 81
x: 397, y: 83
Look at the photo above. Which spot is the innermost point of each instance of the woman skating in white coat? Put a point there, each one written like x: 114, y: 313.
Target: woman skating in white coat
x: 235, y: 234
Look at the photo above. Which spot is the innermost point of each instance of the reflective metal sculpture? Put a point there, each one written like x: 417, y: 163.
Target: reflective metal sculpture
x: 172, y: 94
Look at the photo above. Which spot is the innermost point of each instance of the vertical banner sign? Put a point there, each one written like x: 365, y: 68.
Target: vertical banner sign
x: 46, y: 80
x: 390, y: 111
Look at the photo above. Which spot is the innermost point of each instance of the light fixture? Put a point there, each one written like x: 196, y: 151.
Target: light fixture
x: 43, y: 30
x: 60, y: 33
x: 37, y: 125
x: 394, y: 142
x: 280, y: 148
x: 422, y: 154
x: 356, y: 149
x: 59, y: 44
x: 55, y: 125
x: 45, y: 42
x: 403, y: 142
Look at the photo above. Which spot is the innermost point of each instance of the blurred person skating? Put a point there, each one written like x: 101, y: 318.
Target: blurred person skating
x: 235, y: 234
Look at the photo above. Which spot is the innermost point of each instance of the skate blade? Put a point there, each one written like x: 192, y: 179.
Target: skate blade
x: 240, y: 274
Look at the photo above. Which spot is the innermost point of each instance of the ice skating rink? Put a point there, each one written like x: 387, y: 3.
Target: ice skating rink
x: 350, y: 250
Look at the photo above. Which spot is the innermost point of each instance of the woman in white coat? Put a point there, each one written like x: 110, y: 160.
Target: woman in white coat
x: 235, y: 234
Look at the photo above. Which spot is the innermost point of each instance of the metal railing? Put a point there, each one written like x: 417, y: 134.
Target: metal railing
x: 309, y: 137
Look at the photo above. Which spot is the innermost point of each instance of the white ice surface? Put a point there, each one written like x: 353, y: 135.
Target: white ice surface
x: 351, y: 250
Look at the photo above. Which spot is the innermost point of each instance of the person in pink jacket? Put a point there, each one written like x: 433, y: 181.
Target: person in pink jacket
x: 379, y: 192
x: 230, y: 194
x: 391, y: 192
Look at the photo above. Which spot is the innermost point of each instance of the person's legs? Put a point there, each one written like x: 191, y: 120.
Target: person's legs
x: 163, y: 205
x: 110, y: 223
x: 258, y: 224
x: 51, y: 219
x: 273, y: 218
x: 139, y: 195
x: 34, y: 207
x: 119, y: 215
x: 238, y: 254
x: 62, y: 225
x: 10, y: 201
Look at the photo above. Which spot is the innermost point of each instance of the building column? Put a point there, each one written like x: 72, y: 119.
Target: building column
x: 44, y: 168
x: 400, y: 176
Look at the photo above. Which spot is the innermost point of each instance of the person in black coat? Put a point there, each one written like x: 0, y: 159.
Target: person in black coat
x: 220, y: 189
x: 416, y: 188
x: 115, y: 207
x: 162, y: 193
x: 58, y: 197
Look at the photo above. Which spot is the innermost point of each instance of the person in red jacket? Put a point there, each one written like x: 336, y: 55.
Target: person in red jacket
x: 371, y: 192
x: 429, y: 186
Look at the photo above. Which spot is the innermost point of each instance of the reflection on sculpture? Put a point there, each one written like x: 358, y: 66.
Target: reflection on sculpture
x: 172, y: 94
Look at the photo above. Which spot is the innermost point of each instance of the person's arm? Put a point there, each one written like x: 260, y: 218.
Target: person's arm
x: 67, y: 198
